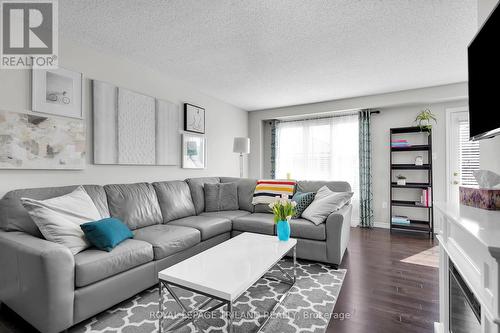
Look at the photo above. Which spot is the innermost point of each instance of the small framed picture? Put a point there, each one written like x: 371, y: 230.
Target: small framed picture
x: 194, y: 151
x: 57, y: 92
x: 194, y: 118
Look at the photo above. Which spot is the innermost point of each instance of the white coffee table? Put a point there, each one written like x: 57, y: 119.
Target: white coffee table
x: 223, y: 273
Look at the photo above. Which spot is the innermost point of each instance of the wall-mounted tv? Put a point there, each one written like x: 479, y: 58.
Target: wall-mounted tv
x: 484, y: 73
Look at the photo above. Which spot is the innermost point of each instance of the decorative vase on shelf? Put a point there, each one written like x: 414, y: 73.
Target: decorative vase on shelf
x: 283, y: 230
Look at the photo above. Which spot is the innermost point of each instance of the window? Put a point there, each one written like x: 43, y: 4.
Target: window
x: 320, y: 149
x: 468, y: 154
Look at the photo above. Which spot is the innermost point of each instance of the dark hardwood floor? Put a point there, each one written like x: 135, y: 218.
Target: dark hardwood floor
x: 382, y: 294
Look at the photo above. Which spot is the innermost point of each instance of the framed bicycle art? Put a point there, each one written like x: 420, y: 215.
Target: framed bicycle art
x: 57, y: 92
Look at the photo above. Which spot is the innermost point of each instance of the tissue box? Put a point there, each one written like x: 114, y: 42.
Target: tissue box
x: 480, y: 198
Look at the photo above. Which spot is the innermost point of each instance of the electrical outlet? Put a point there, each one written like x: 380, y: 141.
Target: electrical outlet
x: 384, y: 204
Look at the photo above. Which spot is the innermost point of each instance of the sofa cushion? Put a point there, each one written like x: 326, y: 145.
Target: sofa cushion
x: 305, y: 229
x: 14, y: 217
x: 107, y: 233
x: 208, y: 226
x: 135, y: 204
x: 168, y: 239
x: 197, y: 193
x: 325, y: 202
x: 219, y: 197
x: 267, y: 190
x: 59, y: 218
x: 175, y: 199
x: 315, y: 185
x: 93, y: 265
x: 261, y: 223
x: 263, y: 208
x: 246, y: 188
x: 303, y: 201
x: 226, y: 214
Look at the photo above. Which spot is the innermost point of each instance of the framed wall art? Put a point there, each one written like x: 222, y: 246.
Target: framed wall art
x: 30, y: 141
x: 194, y: 151
x: 131, y: 128
x: 194, y: 118
x: 57, y: 92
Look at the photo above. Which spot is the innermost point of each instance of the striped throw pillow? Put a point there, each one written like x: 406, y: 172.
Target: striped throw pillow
x: 266, y: 190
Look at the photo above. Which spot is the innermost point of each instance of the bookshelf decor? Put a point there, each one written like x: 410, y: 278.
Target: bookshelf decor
x: 399, y: 171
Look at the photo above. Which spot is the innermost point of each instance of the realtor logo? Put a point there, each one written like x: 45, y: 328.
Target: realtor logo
x: 29, y: 34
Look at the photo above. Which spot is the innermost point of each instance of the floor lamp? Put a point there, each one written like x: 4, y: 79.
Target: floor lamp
x: 241, y: 146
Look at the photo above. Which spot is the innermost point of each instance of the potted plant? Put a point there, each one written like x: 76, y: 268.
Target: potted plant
x: 424, y: 120
x: 283, y: 210
x: 401, y: 180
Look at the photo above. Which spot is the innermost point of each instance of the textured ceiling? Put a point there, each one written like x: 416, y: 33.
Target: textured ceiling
x: 259, y: 54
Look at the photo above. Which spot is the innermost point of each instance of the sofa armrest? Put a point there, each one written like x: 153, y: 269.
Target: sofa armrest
x: 37, y: 280
x: 338, y: 230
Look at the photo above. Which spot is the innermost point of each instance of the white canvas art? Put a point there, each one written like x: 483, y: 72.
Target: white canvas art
x: 38, y: 142
x: 168, y: 138
x: 57, y: 92
x: 134, y: 129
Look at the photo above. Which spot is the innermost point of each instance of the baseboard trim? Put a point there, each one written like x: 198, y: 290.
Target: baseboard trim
x: 382, y: 225
x: 438, y: 328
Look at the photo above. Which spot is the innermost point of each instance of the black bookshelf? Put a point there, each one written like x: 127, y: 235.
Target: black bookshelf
x: 419, y: 226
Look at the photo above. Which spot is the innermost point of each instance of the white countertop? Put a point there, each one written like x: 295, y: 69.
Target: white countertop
x: 481, y: 223
x: 228, y: 269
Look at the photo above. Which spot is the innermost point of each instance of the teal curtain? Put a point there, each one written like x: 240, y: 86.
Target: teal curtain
x: 365, y: 170
x: 273, y: 148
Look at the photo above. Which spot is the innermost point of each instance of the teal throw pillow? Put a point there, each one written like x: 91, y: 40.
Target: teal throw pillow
x: 303, y: 200
x: 107, y: 233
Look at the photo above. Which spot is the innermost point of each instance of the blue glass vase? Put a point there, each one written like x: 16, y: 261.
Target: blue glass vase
x: 283, y: 230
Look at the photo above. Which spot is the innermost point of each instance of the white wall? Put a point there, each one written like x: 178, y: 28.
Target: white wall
x: 224, y: 121
x: 423, y: 96
x: 397, y: 110
x: 484, y: 8
x: 489, y: 147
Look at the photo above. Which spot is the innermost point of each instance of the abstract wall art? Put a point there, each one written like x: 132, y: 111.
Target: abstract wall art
x: 134, y: 129
x: 33, y: 142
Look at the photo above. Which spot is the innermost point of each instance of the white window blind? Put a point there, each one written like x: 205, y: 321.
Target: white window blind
x: 469, y: 153
x: 320, y: 149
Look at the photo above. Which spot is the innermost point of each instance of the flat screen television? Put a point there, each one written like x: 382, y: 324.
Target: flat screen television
x: 484, y: 75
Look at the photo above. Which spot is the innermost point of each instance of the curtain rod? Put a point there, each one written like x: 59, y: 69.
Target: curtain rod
x: 343, y: 114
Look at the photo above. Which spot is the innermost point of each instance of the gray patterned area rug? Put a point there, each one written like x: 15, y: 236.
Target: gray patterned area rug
x: 307, y: 308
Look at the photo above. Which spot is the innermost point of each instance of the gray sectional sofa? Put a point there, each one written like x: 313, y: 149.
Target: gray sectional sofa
x: 53, y: 290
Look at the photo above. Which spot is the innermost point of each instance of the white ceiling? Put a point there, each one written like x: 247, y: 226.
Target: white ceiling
x: 260, y: 54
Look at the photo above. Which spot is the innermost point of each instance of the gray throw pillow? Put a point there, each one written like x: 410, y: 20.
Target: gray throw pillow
x: 325, y: 202
x: 221, y: 196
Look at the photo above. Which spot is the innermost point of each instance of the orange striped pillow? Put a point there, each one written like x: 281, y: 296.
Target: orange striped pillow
x: 267, y: 190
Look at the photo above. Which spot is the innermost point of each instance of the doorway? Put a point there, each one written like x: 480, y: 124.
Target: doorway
x: 462, y: 154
